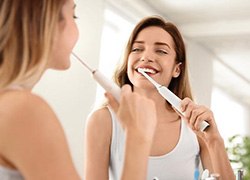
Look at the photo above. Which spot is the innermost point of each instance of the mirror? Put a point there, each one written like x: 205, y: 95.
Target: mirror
x: 217, y: 37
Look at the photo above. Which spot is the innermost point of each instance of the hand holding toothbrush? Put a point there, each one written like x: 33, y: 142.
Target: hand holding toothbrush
x: 195, y: 114
x: 137, y: 114
x: 172, y: 99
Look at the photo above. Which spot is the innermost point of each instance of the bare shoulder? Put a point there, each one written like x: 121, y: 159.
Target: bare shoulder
x: 30, y: 132
x: 25, y: 113
x: 97, y: 144
x: 100, y: 117
x: 23, y: 105
x: 99, y: 123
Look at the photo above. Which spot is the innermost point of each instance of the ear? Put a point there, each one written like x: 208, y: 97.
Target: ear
x: 177, y: 70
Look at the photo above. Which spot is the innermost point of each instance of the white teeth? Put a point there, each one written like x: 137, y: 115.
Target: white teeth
x: 152, y: 71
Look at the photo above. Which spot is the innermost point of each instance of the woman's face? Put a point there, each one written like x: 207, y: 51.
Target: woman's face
x: 65, y: 39
x: 153, y: 50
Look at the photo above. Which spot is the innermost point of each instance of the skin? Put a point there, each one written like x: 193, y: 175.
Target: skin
x: 138, y: 118
x: 30, y: 132
x: 65, y: 39
x: 154, y: 49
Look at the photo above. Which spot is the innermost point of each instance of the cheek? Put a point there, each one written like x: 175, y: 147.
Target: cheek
x: 130, y: 66
x: 131, y: 69
x: 73, y: 34
x: 132, y: 60
x: 69, y: 36
x: 63, y: 45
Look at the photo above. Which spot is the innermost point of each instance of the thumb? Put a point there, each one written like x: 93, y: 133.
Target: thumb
x: 112, y: 102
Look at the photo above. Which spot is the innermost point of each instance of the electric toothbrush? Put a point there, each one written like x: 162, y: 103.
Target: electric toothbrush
x: 107, y: 84
x: 174, y: 100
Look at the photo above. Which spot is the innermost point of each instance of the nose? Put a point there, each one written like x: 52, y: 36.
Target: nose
x: 147, y: 56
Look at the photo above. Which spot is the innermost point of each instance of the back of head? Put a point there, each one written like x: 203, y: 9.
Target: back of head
x: 27, y: 28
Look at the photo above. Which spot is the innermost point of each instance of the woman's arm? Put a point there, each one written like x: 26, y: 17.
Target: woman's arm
x: 213, y: 152
x: 32, y: 139
x: 137, y: 115
x: 97, y: 145
x: 219, y: 162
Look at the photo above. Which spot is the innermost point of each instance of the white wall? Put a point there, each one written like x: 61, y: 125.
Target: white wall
x: 231, y: 115
x: 200, y: 63
x: 72, y: 93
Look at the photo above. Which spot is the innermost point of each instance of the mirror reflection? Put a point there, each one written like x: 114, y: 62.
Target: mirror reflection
x: 216, y: 34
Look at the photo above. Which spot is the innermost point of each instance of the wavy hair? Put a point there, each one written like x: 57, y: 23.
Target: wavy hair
x: 180, y: 85
x: 27, y: 30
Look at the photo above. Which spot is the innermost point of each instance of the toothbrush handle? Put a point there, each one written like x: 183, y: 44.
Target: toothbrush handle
x: 175, y: 101
x: 203, y: 125
x: 115, y: 90
x: 107, y: 84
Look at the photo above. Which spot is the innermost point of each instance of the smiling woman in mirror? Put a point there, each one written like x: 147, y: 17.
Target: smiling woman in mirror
x: 156, y: 46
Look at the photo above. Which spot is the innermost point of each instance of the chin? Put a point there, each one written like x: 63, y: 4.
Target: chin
x: 61, y: 67
x: 64, y: 67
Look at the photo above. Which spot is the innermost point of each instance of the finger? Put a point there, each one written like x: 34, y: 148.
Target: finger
x: 189, y: 110
x: 199, y: 120
x: 181, y: 115
x: 184, y: 103
x: 112, y: 102
x: 206, y: 116
x: 198, y: 115
x: 195, y: 113
x: 126, y: 89
x: 126, y: 97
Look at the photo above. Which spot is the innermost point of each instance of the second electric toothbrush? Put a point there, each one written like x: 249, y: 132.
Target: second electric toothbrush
x: 170, y: 97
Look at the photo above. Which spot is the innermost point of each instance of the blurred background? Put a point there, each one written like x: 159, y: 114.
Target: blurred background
x: 217, y: 37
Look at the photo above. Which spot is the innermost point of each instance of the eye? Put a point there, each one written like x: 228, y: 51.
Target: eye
x: 161, y: 51
x: 136, y: 49
x: 74, y: 15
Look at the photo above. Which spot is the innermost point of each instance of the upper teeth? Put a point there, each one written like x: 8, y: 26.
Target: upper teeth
x: 152, y: 71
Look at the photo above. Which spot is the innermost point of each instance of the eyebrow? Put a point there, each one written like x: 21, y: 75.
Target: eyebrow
x: 156, y: 43
x: 163, y: 44
x: 74, y: 6
x: 139, y: 42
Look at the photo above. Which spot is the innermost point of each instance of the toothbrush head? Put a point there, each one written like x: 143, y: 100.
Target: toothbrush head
x: 140, y: 70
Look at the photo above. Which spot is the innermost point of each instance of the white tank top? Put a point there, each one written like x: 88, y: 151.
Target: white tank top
x: 9, y: 174
x: 179, y: 164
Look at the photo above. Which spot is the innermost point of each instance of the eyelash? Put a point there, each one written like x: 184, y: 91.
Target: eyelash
x: 136, y: 49
x: 162, y: 51
x: 157, y: 51
x: 75, y: 17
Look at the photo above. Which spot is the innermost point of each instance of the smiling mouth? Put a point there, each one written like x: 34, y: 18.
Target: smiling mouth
x: 148, y: 70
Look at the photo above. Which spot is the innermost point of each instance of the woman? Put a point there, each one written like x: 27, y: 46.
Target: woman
x: 157, y: 47
x: 36, y: 35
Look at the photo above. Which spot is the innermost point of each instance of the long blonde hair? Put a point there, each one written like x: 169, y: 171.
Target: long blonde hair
x: 180, y: 85
x: 27, y: 30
